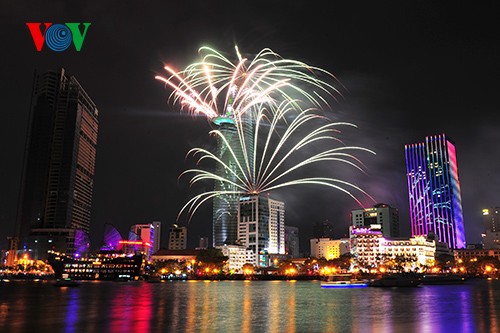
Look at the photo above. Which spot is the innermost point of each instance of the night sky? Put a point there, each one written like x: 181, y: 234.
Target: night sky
x: 410, y: 69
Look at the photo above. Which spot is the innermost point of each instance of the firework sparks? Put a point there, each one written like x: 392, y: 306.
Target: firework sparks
x: 216, y: 86
x: 268, y: 125
x: 283, y: 150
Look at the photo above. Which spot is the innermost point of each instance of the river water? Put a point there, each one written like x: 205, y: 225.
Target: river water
x: 247, y: 306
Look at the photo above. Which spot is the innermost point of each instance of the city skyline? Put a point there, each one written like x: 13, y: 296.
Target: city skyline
x: 409, y: 71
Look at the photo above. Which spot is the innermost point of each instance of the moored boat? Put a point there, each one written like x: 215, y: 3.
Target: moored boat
x: 442, y: 279
x: 344, y: 281
x: 396, y: 280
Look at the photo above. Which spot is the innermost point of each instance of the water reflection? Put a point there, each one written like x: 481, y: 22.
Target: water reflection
x: 241, y: 306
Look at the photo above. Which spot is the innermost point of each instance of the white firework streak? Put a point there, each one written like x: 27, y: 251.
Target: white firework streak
x: 278, y: 145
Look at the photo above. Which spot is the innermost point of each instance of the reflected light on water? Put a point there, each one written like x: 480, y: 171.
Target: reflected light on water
x: 241, y: 306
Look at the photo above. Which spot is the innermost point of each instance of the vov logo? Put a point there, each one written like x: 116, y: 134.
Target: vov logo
x: 58, y: 37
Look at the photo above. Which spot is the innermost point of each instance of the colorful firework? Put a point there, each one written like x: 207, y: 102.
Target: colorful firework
x: 217, y: 87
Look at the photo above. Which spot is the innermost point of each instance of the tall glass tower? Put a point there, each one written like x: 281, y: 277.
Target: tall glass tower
x: 434, y: 190
x: 58, y: 175
x: 239, y: 145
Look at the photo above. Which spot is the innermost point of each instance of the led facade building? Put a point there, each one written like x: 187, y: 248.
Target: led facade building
x: 261, y: 226
x: 434, y: 190
x: 58, y: 171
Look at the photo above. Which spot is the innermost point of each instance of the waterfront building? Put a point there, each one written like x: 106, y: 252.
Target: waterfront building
x: 434, y: 190
x: 236, y: 257
x: 177, y: 237
x: 370, y: 249
x: 144, y: 238
x: 163, y: 255
x: 58, y: 169
x: 465, y: 255
x: 384, y: 215
x: 328, y: 248
x: 261, y: 226
x: 416, y: 251
x: 365, y: 246
x: 292, y: 241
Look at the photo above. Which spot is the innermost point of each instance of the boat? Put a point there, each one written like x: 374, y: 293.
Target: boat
x: 344, y: 281
x: 442, y: 279
x: 66, y: 281
x: 396, y: 280
x: 105, y: 265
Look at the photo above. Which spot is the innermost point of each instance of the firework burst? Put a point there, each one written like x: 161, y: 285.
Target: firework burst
x: 216, y: 86
x: 283, y: 150
x: 269, y: 127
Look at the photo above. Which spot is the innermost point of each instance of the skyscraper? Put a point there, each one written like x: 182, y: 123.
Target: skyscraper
x: 434, y: 190
x: 58, y: 172
x: 292, y: 241
x: 384, y: 215
x: 491, y: 219
x: 261, y: 226
x: 232, y: 154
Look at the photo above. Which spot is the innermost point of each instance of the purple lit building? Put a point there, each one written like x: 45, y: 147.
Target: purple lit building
x: 434, y: 190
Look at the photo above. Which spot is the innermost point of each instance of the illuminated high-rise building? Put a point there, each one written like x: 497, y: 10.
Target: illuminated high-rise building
x: 225, y: 205
x: 58, y: 170
x: 382, y: 214
x: 261, y: 226
x: 491, y: 224
x: 434, y: 190
x: 491, y: 219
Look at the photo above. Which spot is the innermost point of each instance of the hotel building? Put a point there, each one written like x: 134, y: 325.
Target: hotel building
x: 370, y: 249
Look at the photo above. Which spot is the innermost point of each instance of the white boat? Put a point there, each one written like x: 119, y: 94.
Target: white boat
x: 344, y: 281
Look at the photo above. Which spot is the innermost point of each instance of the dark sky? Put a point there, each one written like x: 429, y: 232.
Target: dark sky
x: 411, y: 68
